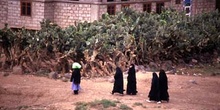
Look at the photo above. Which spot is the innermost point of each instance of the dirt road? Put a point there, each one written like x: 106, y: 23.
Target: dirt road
x: 186, y: 92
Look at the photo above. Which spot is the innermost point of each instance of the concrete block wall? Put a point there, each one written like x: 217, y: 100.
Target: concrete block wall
x: 102, y: 10
x: 3, y: 12
x: 201, y: 6
x: 66, y: 14
x: 15, y: 20
x: 49, y: 11
x: 172, y: 4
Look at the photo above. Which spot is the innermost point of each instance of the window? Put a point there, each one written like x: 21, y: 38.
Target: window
x: 25, y: 8
x: 125, y: 6
x: 187, y: 10
x: 147, y: 7
x: 178, y: 1
x: 111, y: 9
x: 159, y: 7
x: 110, y: 0
x: 187, y: 2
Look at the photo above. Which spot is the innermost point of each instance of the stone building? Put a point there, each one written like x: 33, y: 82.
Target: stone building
x: 29, y: 13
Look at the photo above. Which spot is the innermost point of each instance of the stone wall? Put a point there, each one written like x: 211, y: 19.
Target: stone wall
x: 201, y: 6
x: 178, y: 7
x: 3, y: 12
x: 15, y: 20
x: 49, y: 11
x: 65, y: 12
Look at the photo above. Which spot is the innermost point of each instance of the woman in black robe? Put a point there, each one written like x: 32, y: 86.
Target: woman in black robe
x: 118, y: 84
x: 131, y: 85
x: 76, y: 79
x: 154, y: 91
x: 163, y: 85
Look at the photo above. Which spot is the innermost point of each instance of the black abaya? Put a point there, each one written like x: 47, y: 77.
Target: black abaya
x: 131, y: 85
x: 76, y: 76
x: 154, y: 91
x: 76, y: 79
x: 163, y: 85
x: 118, y: 84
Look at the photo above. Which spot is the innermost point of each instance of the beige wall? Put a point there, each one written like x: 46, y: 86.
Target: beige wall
x: 65, y: 12
x: 200, y: 6
x: 15, y: 20
x: 3, y: 12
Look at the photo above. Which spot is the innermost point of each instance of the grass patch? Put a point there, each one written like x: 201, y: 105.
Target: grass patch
x: 138, y: 104
x: 98, y: 104
x: 202, y: 69
x: 23, y: 107
x: 81, y: 106
x: 125, y: 107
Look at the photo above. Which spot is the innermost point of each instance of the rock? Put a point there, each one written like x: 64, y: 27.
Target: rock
x: 153, y: 66
x: 5, y: 74
x: 111, y: 80
x: 67, y: 75
x: 17, y: 70
x: 139, y: 68
x: 194, y: 61
x: 193, y: 81
x: 64, y: 79
x: 53, y: 75
x: 167, y: 65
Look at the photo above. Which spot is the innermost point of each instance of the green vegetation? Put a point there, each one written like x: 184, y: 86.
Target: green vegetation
x: 125, y: 107
x: 127, y: 37
x: 139, y: 104
x: 98, y: 104
x: 81, y: 106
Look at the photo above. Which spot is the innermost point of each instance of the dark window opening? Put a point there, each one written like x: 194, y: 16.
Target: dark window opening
x: 187, y: 2
x: 111, y: 9
x: 110, y: 0
x: 159, y: 7
x: 218, y: 5
x: 147, y: 7
x: 125, y: 6
x: 187, y: 10
x: 178, y: 1
x: 25, y: 8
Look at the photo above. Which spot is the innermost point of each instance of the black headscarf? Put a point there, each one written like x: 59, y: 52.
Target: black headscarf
x: 154, y: 91
x: 131, y: 85
x: 163, y: 85
x: 118, y: 84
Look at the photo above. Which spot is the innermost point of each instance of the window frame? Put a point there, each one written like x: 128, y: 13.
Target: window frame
x: 177, y: 1
x: 111, y: 1
x: 111, y: 9
x: 25, y: 6
x: 159, y: 6
x: 125, y: 6
x: 147, y: 7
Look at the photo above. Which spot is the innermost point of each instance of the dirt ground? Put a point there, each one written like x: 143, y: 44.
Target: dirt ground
x: 186, y: 92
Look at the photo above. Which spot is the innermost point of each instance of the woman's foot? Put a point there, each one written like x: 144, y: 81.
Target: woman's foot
x: 148, y: 100
x: 159, y: 102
